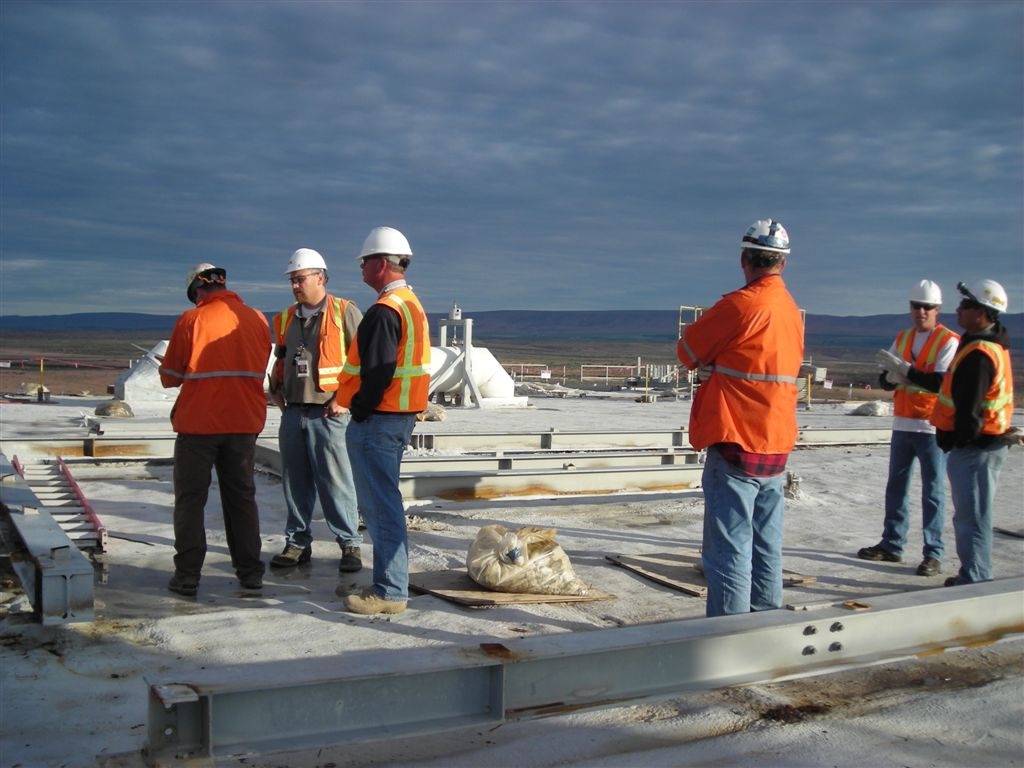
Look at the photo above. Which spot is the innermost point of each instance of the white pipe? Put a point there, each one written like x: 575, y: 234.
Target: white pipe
x: 446, y: 374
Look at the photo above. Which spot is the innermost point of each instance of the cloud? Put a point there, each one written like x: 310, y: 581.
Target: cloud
x: 561, y: 155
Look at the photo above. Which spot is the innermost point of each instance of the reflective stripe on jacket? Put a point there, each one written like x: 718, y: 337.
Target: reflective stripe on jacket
x: 218, y: 355
x: 408, y: 391
x: 997, y: 403
x: 911, y: 401
x: 753, y: 340
x: 332, y: 343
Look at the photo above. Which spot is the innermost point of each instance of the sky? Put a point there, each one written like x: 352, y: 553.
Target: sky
x: 537, y: 155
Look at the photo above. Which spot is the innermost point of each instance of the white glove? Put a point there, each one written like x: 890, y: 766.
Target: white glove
x: 887, y: 361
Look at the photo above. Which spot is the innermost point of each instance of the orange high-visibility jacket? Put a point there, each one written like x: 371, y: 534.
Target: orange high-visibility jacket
x: 911, y: 401
x: 997, y: 403
x: 218, y: 355
x: 332, y: 343
x: 753, y: 341
x: 410, y: 386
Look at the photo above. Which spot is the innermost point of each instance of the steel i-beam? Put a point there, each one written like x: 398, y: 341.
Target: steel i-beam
x: 268, y: 708
x: 54, y: 574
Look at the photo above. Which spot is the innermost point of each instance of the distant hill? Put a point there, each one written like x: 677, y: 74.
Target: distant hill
x: 585, y: 325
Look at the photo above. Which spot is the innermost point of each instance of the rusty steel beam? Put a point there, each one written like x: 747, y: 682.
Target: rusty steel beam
x: 362, y: 695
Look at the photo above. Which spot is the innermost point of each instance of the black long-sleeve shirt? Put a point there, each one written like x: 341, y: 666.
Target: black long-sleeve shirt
x: 377, y: 340
x: 971, y: 380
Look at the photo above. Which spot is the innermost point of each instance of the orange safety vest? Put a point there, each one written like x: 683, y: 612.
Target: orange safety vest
x: 753, y: 339
x: 332, y: 342
x: 218, y: 355
x: 997, y: 404
x: 911, y: 401
x: 409, y: 388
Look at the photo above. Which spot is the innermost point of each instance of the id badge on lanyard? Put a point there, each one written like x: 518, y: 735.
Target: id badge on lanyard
x: 301, y: 363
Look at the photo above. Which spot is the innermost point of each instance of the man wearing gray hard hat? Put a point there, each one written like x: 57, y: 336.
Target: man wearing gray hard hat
x: 217, y: 355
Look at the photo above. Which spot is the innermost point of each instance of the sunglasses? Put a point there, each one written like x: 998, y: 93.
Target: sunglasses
x: 300, y: 279
x: 364, y: 259
x: 921, y: 305
x: 969, y: 304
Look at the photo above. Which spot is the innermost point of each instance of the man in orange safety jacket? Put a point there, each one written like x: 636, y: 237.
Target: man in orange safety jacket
x: 744, y: 414
x: 218, y: 355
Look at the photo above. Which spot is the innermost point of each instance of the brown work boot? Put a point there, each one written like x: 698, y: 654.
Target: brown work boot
x: 351, y: 560
x: 369, y: 602
x: 183, y: 585
x: 251, y: 581
x: 291, y: 556
x: 878, y: 553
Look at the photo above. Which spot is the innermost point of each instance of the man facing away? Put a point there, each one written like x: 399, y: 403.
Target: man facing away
x: 744, y: 414
x: 384, y: 384
x: 914, y: 366
x: 972, y: 419
x: 218, y: 355
x: 311, y: 337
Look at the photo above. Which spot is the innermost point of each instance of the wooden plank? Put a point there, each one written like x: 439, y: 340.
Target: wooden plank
x: 456, y: 586
x: 671, y: 570
x: 1016, y: 533
x: 667, y: 569
x: 789, y: 578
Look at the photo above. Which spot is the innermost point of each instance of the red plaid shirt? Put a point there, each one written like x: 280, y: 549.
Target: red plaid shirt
x: 753, y: 464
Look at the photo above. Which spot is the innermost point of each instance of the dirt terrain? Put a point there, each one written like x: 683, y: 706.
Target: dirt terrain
x: 89, y: 362
x: 68, y: 363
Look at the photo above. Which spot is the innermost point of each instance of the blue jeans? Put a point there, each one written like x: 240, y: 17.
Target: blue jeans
x: 315, y: 463
x: 375, y: 447
x: 973, y: 475
x: 742, y: 550
x: 904, y: 448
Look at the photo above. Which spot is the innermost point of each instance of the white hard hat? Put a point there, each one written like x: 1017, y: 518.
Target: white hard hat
x: 988, y: 293
x: 385, y: 241
x: 305, y: 258
x: 200, y: 274
x: 766, y: 235
x: 927, y: 292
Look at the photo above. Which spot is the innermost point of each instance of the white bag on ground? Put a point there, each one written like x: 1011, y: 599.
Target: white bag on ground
x: 528, y: 561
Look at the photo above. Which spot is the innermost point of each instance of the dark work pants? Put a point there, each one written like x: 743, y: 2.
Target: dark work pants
x: 195, y: 457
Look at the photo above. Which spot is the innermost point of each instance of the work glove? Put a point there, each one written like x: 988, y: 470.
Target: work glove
x: 891, y: 363
x: 1013, y: 436
x: 896, y: 379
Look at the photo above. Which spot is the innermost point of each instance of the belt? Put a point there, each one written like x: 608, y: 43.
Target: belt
x: 306, y: 405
